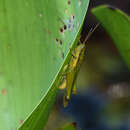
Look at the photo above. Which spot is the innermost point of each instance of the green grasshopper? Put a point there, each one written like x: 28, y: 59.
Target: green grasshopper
x: 72, y: 69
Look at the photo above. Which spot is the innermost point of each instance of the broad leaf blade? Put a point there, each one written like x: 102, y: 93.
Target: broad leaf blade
x: 117, y: 24
x: 38, y: 117
x: 31, y: 56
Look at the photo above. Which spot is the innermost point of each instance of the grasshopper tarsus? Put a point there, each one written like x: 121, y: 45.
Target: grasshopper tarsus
x: 65, y: 101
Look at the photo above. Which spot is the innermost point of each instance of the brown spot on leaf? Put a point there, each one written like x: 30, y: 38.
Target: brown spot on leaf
x: 40, y: 15
x: 20, y: 122
x: 4, y: 91
x: 57, y: 40
x: 49, y: 32
x: 69, y: 2
x: 61, y: 30
x: 9, y: 45
x: 62, y: 55
x: 65, y: 27
x: 60, y: 42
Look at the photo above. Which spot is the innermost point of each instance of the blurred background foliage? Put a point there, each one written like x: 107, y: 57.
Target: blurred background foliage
x: 103, y: 99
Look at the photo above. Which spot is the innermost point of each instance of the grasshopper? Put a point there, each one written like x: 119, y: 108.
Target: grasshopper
x: 72, y: 69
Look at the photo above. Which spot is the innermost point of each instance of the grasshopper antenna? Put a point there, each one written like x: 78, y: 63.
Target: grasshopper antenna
x: 91, y: 32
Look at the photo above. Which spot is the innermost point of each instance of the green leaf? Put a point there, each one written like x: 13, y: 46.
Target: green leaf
x: 117, y: 24
x: 70, y: 126
x: 32, y: 51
